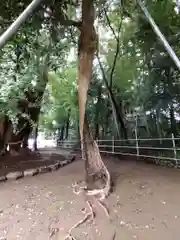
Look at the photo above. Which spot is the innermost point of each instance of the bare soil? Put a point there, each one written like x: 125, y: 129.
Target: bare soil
x: 143, y: 206
x: 29, y: 160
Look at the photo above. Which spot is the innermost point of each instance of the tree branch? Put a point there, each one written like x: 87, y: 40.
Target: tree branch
x: 117, y: 37
x: 109, y: 24
x: 115, y: 109
x: 69, y: 22
x: 116, y: 55
x: 64, y: 20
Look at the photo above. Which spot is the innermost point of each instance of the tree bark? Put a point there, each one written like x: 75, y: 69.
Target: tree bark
x: 26, y: 136
x: 96, y: 135
x: 67, y: 125
x: 173, y: 121
x: 159, y: 132
x: 35, y: 147
x: 62, y: 133
x: 17, y: 137
x: 87, y: 47
x: 5, y: 128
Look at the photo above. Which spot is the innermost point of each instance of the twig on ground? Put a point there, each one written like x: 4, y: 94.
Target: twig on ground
x: 53, y: 232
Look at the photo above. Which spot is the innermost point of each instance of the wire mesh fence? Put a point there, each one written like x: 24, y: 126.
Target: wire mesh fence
x: 163, y: 151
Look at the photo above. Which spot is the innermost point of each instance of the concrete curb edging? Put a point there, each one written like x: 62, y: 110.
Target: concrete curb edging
x: 39, y: 170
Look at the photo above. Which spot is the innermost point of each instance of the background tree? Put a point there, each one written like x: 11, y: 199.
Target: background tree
x: 134, y: 75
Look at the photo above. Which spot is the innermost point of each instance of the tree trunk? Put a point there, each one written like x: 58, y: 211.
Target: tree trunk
x: 17, y: 137
x: 159, y: 132
x: 118, y: 118
x: 173, y: 121
x: 108, y: 119
x: 35, y: 148
x: 26, y: 136
x: 96, y: 135
x: 67, y: 125
x: 146, y: 122
x: 5, y: 128
x: 87, y: 47
x: 61, y: 138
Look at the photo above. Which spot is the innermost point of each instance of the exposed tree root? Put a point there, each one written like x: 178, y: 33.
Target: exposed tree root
x: 96, y: 169
x: 86, y: 217
x: 70, y: 237
x: 114, y: 236
x: 98, y: 195
x: 104, y: 208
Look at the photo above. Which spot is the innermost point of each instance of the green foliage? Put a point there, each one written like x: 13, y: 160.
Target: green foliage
x: 60, y: 98
x: 144, y: 78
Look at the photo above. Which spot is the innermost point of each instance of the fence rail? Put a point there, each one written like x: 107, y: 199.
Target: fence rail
x: 162, y: 150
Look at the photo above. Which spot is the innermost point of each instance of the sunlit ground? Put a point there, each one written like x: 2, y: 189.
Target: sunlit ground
x: 42, y: 143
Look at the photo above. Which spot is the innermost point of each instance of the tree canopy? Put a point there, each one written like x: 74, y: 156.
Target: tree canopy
x: 133, y: 75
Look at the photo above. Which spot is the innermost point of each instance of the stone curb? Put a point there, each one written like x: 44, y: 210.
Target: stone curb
x: 39, y: 170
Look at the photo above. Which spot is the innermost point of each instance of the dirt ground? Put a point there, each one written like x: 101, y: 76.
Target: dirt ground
x: 144, y: 205
x: 30, y: 160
